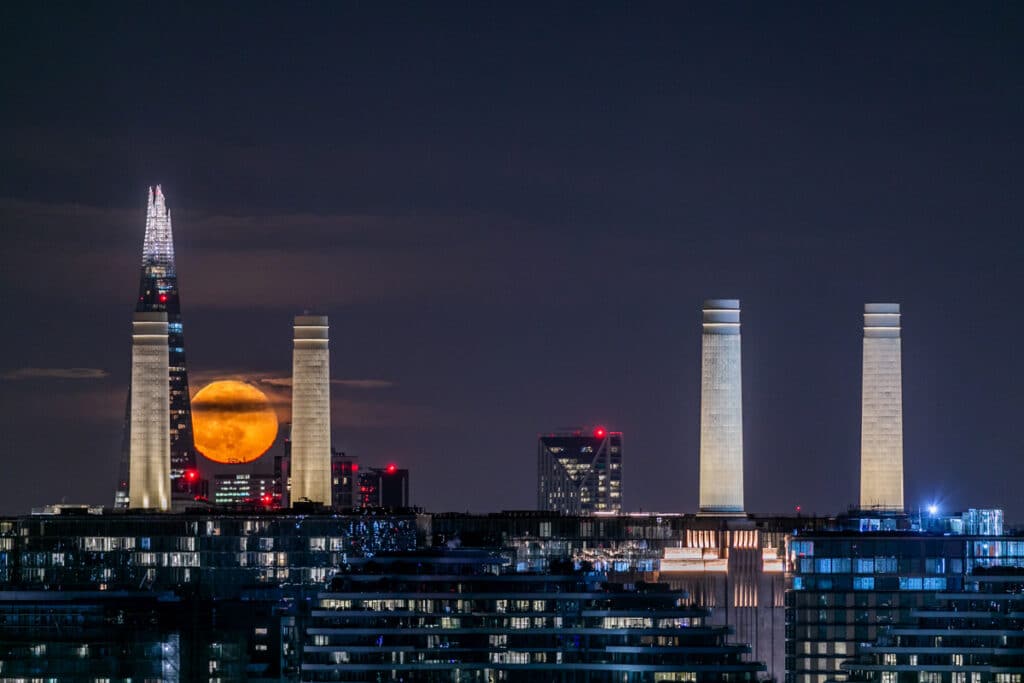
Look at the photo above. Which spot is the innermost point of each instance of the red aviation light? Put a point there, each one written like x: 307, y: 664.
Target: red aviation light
x: 391, y: 469
x: 191, y: 475
x: 163, y: 298
x: 266, y: 499
x: 355, y: 467
x: 600, y: 432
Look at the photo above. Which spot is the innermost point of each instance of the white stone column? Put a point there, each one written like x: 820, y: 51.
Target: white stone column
x: 881, y: 427
x: 721, y: 409
x: 311, y: 412
x: 149, y: 484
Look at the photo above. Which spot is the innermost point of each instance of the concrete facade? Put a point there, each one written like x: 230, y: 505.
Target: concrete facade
x: 721, y: 409
x: 881, y: 440
x: 311, y: 412
x: 149, y: 484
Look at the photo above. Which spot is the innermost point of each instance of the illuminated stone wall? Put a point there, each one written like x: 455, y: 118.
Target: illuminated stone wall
x: 150, y: 440
x: 881, y: 440
x: 311, y: 412
x: 721, y: 409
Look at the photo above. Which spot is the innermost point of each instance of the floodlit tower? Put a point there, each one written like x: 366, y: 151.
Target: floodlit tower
x: 311, y: 412
x: 158, y: 293
x: 721, y: 409
x: 881, y: 426
x: 150, y: 450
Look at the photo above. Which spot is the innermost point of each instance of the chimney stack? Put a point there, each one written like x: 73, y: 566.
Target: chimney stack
x: 150, y: 423
x: 881, y: 427
x: 311, y: 412
x: 721, y: 409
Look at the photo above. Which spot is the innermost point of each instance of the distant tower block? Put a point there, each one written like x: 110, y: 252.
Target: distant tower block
x: 149, y: 484
x: 311, y: 412
x: 881, y: 427
x: 721, y: 409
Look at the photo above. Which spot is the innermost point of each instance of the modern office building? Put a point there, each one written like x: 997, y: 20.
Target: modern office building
x: 243, y: 488
x: 580, y: 472
x: 383, y: 487
x: 461, y: 615
x: 974, y: 635
x: 311, y: 412
x: 881, y: 435
x: 721, y: 409
x: 158, y: 293
x: 149, y: 457
x: 872, y: 577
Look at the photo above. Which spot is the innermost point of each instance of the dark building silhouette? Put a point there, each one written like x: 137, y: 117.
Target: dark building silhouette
x: 344, y: 478
x: 383, y: 487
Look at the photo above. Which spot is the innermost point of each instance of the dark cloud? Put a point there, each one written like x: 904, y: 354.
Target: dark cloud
x: 347, y: 383
x: 54, y: 373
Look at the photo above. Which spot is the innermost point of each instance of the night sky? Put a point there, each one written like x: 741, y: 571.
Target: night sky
x: 512, y: 214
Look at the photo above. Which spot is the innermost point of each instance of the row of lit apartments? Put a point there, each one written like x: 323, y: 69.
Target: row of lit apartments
x: 801, y: 593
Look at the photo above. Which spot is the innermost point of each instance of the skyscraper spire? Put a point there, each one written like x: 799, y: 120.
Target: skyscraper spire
x: 158, y: 245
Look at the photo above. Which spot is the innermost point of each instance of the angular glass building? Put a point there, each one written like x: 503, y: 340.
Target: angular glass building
x: 579, y: 473
x: 158, y: 293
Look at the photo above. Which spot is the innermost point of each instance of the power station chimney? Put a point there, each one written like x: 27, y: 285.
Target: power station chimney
x: 149, y: 456
x: 881, y: 426
x: 311, y: 412
x: 721, y: 409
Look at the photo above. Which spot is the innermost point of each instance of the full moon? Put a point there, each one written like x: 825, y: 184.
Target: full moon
x: 232, y: 422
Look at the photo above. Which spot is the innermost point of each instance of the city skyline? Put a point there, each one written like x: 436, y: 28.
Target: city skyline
x: 531, y: 248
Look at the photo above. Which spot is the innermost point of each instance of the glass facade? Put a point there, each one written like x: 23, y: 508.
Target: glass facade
x: 847, y: 588
x: 973, y: 635
x: 580, y: 474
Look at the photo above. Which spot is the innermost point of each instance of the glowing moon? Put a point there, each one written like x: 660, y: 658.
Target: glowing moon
x: 232, y: 422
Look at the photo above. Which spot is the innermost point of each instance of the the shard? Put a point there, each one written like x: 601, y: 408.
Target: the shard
x: 158, y: 293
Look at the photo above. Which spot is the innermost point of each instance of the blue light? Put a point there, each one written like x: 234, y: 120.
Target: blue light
x: 933, y: 509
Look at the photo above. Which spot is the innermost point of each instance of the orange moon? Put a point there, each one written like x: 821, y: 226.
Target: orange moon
x: 232, y: 422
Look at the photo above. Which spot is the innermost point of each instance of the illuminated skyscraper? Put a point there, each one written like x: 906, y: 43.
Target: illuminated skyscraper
x: 580, y: 474
x: 149, y: 457
x: 721, y: 409
x: 881, y: 427
x: 311, y: 412
x: 158, y: 293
